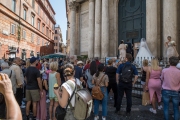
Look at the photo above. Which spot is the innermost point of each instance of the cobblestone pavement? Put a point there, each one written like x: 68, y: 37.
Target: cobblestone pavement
x: 139, y: 112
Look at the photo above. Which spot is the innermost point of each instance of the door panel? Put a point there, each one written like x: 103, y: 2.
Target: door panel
x: 132, y: 20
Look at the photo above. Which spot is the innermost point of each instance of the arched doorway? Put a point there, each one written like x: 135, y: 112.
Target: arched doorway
x: 131, y: 20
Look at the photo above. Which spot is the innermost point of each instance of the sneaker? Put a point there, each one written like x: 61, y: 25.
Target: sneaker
x: 96, y: 118
x: 22, y: 106
x: 103, y: 118
x: 160, y: 107
x: 152, y: 110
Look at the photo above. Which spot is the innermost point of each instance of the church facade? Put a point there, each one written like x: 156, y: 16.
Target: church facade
x: 96, y: 27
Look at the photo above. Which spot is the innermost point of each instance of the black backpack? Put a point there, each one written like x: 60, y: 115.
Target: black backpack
x: 127, y: 73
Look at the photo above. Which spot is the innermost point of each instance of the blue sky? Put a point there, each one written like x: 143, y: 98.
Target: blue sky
x: 60, y: 10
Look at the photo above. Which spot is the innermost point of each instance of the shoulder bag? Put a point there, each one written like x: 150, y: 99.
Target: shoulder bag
x: 96, y: 91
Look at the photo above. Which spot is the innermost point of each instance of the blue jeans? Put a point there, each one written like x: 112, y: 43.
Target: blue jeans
x: 104, y: 103
x: 167, y: 95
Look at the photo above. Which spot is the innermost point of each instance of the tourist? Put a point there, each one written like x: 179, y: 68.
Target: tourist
x: 19, y: 80
x: 54, y: 77
x: 41, y: 106
x: 89, y: 74
x: 13, y: 110
x: 87, y: 65
x: 122, y: 51
x: 103, y: 85
x: 111, y: 72
x: 124, y: 75
x: 153, y: 84
x: 67, y: 90
x: 170, y: 87
x: 144, y: 69
x: 33, y: 87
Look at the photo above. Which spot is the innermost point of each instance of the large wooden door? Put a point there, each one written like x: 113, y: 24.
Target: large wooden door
x: 131, y: 20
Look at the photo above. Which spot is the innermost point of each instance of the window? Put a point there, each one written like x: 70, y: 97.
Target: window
x: 38, y: 25
x: 24, y: 14
x: 38, y: 41
x: 32, y: 20
x: 33, y: 5
x: 47, y: 32
x: 43, y: 28
x: 13, y: 29
x: 55, y: 31
x: 32, y: 37
x: 13, y: 5
x: 24, y: 34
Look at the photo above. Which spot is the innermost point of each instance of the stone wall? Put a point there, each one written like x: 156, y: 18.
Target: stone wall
x: 84, y: 27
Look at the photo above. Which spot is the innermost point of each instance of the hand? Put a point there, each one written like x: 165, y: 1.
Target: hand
x: 133, y: 83
x: 56, y: 91
x: 5, y: 84
x: 41, y: 93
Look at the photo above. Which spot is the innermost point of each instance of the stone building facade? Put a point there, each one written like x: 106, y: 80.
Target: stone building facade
x: 58, y: 40
x: 98, y: 26
x: 25, y: 26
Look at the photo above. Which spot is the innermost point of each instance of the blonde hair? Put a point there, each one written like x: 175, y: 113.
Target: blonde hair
x: 154, y: 64
x: 27, y: 63
x: 145, y: 62
x: 54, y: 66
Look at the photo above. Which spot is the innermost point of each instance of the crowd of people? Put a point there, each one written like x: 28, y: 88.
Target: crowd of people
x: 33, y: 80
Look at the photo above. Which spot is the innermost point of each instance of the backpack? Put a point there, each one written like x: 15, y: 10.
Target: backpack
x: 83, y: 102
x: 127, y: 73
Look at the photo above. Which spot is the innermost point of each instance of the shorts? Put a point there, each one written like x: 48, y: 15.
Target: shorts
x: 54, y: 98
x: 32, y: 95
x: 143, y: 83
x: 179, y: 98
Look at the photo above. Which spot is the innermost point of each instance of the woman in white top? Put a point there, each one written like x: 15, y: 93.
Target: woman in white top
x: 66, y: 90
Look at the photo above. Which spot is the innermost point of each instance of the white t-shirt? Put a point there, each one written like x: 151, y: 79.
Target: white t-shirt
x: 70, y: 89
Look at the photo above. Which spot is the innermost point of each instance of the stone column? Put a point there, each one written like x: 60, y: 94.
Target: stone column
x: 169, y: 22
x: 91, y: 29
x: 151, y: 26
x: 72, y: 6
x: 97, y: 43
x: 105, y: 29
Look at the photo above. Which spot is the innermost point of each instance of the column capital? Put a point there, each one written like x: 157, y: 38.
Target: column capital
x: 73, y: 6
x: 91, y: 0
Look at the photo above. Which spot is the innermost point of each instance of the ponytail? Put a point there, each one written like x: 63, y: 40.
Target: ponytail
x: 100, y: 69
x: 97, y: 73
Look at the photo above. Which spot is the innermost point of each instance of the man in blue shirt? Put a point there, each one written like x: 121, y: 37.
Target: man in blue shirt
x: 125, y: 87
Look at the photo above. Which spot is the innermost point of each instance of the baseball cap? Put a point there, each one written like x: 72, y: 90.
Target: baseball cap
x: 79, y: 62
x: 33, y: 59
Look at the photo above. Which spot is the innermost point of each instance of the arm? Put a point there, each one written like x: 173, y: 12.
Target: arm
x: 62, y: 97
x: 136, y: 74
x: 18, y: 76
x: 58, y: 79
x: 117, y: 78
x: 45, y: 84
x: 40, y: 83
x: 13, y: 109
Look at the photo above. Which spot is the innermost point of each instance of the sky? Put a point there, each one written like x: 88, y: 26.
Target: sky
x: 60, y: 10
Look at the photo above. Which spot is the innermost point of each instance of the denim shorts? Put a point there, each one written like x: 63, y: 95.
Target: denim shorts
x: 179, y: 98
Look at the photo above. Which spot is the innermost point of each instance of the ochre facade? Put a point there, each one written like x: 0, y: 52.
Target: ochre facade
x: 25, y: 26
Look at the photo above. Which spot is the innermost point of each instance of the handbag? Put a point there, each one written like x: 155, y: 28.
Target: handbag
x: 96, y: 91
x: 145, y: 98
x: 60, y: 112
